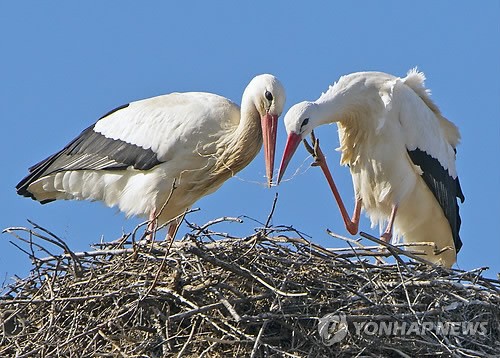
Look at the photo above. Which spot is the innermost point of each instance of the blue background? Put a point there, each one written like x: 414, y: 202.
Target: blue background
x: 64, y: 64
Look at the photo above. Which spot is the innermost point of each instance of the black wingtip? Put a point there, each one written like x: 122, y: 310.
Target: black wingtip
x: 445, y: 188
x: 22, y: 189
x: 35, y: 172
x: 460, y: 194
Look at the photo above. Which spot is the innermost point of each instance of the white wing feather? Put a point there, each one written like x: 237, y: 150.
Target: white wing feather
x: 421, y: 127
x: 172, y: 123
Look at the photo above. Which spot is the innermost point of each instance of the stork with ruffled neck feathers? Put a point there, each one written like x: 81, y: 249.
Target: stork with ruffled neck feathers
x: 131, y: 157
x: 401, y: 154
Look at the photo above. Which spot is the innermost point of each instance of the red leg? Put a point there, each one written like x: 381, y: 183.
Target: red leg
x: 353, y: 225
x: 152, y: 225
x: 387, y: 235
x: 172, y: 229
x: 350, y: 224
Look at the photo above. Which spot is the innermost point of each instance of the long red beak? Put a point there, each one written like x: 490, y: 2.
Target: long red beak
x: 292, y: 143
x: 269, y: 125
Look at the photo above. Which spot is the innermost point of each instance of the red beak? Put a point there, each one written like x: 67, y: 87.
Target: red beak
x: 292, y: 143
x: 269, y: 125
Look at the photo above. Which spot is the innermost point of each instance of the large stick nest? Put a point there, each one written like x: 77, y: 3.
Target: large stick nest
x: 267, y: 294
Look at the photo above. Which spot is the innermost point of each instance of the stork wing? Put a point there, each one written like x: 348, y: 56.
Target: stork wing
x: 142, y: 135
x: 428, y: 147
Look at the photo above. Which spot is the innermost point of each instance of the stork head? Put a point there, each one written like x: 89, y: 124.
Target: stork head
x: 352, y: 96
x: 268, y: 96
x: 300, y: 120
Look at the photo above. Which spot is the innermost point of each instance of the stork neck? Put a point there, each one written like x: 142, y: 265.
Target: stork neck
x: 329, y: 111
x: 241, y: 145
x: 345, y: 110
x: 248, y: 134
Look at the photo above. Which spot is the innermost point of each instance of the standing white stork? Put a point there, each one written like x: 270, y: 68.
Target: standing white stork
x: 401, y: 154
x: 131, y: 156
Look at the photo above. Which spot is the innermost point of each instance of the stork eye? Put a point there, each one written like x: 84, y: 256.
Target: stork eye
x: 304, y: 123
x: 269, y: 96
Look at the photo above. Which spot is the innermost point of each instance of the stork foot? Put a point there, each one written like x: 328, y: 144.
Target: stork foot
x: 387, y: 235
x: 315, y: 151
x: 149, y: 235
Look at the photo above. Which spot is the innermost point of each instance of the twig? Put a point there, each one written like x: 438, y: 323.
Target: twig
x: 191, y: 334
x: 226, y: 304
x: 270, y: 216
x: 157, y: 214
x: 242, y: 272
x: 201, y: 229
x: 396, y: 250
x: 77, y: 267
x: 222, y: 296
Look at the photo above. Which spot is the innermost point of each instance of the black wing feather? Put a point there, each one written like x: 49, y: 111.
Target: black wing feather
x: 91, y: 151
x: 446, y: 189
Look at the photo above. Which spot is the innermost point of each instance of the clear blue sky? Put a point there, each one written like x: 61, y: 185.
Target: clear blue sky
x: 64, y: 64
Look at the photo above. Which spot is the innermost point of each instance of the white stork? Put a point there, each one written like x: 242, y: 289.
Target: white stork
x: 401, y: 154
x: 131, y: 156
